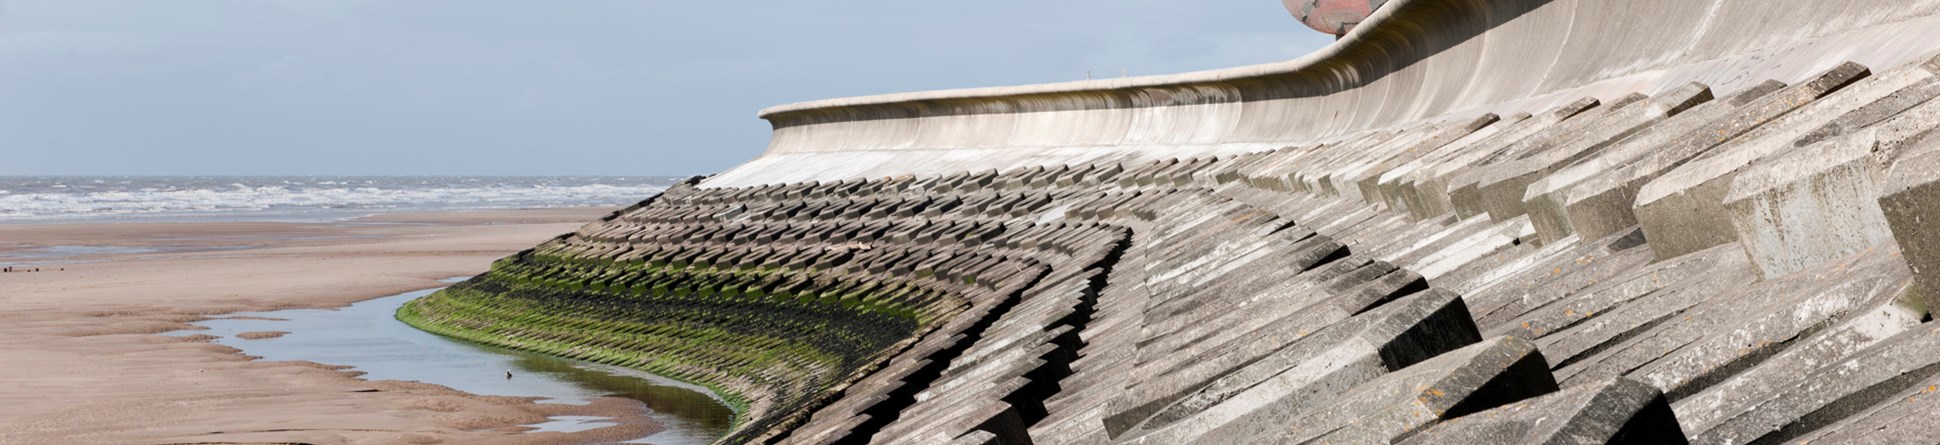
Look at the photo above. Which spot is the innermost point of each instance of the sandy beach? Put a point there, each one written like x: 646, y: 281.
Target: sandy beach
x: 81, y: 361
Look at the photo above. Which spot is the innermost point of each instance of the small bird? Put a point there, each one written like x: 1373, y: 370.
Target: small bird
x: 508, y: 374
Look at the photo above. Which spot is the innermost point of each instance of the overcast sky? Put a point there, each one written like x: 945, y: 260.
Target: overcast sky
x: 581, y: 87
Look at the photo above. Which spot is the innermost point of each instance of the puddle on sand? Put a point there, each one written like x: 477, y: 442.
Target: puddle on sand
x: 572, y: 424
x: 368, y: 337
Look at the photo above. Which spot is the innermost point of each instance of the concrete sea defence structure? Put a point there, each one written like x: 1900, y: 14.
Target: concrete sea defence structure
x: 1465, y: 222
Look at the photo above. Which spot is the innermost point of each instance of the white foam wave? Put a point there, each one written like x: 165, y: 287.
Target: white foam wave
x: 63, y: 203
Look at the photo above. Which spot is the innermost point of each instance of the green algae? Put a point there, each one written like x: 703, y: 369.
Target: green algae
x: 753, y: 335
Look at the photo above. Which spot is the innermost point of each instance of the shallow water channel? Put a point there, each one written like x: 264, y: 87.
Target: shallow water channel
x: 368, y: 337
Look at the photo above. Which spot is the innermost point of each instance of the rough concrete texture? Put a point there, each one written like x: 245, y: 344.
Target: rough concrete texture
x: 1614, y: 411
x: 1910, y: 200
x: 1390, y: 408
x: 1601, y: 204
x: 1504, y: 187
x: 1275, y: 387
x: 1810, y: 205
x: 1547, y: 200
x: 1682, y: 211
x: 1411, y: 61
x: 1467, y: 222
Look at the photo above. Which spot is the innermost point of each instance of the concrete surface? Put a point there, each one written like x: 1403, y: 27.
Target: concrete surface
x: 1412, y: 60
x: 1513, y: 221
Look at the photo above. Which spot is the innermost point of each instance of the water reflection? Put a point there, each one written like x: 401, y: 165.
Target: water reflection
x: 369, y: 338
x: 702, y: 416
x: 572, y: 424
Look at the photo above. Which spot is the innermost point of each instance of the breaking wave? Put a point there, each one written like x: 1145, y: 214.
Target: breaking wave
x: 81, y: 198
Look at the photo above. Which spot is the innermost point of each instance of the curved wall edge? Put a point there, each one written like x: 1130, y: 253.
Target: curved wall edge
x: 1413, y: 60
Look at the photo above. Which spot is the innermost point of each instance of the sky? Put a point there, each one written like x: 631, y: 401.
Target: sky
x: 579, y: 87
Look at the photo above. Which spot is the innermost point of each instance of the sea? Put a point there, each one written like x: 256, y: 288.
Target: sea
x: 50, y: 199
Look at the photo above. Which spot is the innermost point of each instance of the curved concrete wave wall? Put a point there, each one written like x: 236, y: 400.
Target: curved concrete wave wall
x: 1413, y: 60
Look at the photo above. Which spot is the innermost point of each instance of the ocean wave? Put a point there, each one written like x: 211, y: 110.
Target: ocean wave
x: 57, y: 200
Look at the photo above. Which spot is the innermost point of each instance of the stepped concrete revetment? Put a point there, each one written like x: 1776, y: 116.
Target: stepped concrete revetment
x: 1525, y: 221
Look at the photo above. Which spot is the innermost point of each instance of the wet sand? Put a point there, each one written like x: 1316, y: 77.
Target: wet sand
x: 80, y: 361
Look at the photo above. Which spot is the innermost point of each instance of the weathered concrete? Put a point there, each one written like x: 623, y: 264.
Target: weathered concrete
x: 1546, y: 199
x: 1615, y: 411
x: 1513, y: 56
x: 1808, y: 207
x: 1841, y: 387
x: 1910, y: 201
x: 1505, y: 184
x: 1469, y: 189
x: 1819, y: 202
x: 1310, y: 251
x: 1430, y: 187
x: 1318, y: 366
x: 1463, y: 382
x: 1682, y: 211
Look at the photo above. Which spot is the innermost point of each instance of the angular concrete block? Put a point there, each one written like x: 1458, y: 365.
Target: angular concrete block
x: 1812, y: 206
x: 1819, y: 202
x: 1505, y: 186
x: 1301, y: 374
x: 1777, y: 332
x: 1832, y: 392
x: 1397, y: 185
x: 1682, y: 211
x: 1478, y: 180
x: 1547, y: 199
x: 1368, y: 176
x: 1615, y: 411
x: 1910, y: 201
x: 1484, y: 376
x: 1430, y: 188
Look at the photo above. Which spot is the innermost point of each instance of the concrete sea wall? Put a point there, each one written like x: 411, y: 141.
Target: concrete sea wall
x: 1413, y: 60
x: 1694, y: 221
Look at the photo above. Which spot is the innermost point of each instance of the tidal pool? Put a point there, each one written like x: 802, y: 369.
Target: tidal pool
x: 368, y: 337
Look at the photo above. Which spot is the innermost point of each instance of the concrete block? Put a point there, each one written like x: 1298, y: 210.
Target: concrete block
x: 1811, y: 206
x: 1431, y: 186
x: 1103, y: 175
x: 979, y: 437
x: 1739, y: 354
x: 1910, y: 202
x: 1682, y: 211
x: 1817, y: 203
x: 1546, y: 200
x: 1506, y: 184
x: 1367, y: 176
x: 1613, y: 411
x: 1830, y: 393
x: 1477, y: 378
x: 1397, y: 184
x: 1299, y: 375
x: 1467, y: 178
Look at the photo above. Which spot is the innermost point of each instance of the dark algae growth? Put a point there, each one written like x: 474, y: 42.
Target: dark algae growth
x: 750, y: 347
x: 777, y: 301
